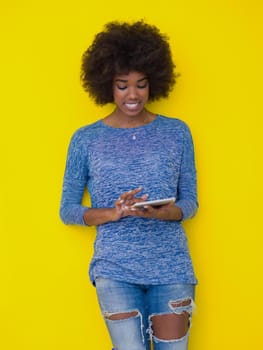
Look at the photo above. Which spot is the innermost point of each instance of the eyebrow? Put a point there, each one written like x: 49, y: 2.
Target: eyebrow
x: 125, y: 81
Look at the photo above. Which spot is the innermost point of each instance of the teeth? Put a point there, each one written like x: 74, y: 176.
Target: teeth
x: 131, y: 105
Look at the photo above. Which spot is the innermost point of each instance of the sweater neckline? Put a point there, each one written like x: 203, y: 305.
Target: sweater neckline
x: 136, y: 128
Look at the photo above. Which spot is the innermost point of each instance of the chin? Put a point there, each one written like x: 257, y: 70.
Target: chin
x: 134, y: 113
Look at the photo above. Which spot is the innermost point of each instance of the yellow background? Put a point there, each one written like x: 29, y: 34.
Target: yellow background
x: 47, y: 301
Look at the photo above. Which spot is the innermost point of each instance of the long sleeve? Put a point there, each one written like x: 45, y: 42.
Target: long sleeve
x: 110, y: 161
x: 75, y: 180
x: 187, y: 192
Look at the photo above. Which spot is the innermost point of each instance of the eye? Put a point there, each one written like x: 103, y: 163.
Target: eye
x: 142, y: 86
x: 121, y: 87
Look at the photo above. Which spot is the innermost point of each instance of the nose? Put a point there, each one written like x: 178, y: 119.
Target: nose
x: 132, y: 92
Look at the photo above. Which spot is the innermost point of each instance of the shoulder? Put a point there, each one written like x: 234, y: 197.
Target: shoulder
x: 86, y: 133
x: 174, y: 124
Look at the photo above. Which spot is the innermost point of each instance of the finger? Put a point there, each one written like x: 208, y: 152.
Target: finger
x: 119, y: 202
x: 130, y: 194
x: 139, y: 199
x: 148, y: 209
x: 144, y: 197
x: 140, y: 212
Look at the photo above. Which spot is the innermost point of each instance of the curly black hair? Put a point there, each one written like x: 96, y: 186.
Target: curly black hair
x: 122, y: 48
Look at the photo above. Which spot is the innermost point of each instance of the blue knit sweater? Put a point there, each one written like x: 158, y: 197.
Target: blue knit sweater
x: 159, y: 157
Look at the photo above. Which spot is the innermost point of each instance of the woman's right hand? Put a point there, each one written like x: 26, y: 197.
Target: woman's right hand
x: 124, y: 203
x: 122, y: 208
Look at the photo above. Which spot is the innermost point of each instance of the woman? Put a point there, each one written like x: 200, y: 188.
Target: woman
x: 141, y: 266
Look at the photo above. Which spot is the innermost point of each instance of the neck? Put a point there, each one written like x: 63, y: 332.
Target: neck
x: 118, y: 120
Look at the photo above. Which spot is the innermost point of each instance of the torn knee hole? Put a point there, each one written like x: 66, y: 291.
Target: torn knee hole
x: 170, y: 326
x: 180, y: 303
x: 121, y: 315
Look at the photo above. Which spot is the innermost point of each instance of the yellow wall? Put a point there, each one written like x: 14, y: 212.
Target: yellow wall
x: 46, y: 299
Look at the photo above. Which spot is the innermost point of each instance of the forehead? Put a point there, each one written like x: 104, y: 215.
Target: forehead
x: 131, y: 76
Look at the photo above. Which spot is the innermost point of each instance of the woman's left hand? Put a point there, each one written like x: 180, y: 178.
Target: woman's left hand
x: 165, y: 212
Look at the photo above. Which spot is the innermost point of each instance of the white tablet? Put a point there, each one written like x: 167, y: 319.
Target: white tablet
x: 154, y: 203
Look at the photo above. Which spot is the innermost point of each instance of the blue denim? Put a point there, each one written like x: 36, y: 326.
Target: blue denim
x: 135, y: 333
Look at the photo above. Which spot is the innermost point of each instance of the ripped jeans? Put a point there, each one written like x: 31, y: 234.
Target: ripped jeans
x: 137, y: 315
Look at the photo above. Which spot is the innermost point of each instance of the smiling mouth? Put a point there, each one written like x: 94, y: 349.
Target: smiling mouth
x: 132, y: 106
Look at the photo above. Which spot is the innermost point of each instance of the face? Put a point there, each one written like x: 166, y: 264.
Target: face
x: 131, y: 93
